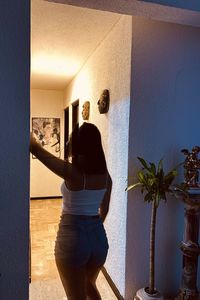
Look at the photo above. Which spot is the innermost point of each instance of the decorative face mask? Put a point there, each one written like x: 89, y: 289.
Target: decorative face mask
x: 86, y: 110
x: 104, y: 101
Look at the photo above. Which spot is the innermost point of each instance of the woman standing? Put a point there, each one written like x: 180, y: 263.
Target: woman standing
x: 81, y: 245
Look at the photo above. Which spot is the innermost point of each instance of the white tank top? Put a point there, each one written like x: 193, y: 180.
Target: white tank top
x: 83, y: 202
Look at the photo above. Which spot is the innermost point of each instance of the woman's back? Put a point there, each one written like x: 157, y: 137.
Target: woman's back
x: 84, y: 198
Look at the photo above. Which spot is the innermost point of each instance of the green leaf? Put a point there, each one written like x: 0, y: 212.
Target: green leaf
x: 154, y: 184
x: 133, y: 186
x: 141, y: 177
x: 148, y: 197
x: 170, y: 177
x: 153, y: 168
x: 152, y: 181
x: 160, y: 165
x: 143, y: 162
x: 160, y: 174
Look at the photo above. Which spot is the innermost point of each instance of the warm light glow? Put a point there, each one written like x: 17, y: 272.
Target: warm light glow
x: 52, y: 65
x: 82, y: 85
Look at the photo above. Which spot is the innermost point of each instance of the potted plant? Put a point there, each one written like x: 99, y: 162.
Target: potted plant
x: 153, y: 181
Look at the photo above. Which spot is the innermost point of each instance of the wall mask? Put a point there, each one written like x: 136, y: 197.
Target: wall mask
x: 86, y: 110
x: 104, y: 101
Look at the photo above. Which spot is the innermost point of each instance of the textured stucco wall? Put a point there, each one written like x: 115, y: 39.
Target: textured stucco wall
x: 45, y: 104
x: 164, y: 119
x: 14, y: 149
x: 109, y: 68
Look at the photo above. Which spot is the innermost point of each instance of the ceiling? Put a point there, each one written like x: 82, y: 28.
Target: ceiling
x: 62, y: 39
x: 174, y: 11
x: 192, y: 4
x: 64, y: 36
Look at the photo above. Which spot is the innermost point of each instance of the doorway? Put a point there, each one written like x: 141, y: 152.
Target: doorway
x: 52, y: 92
x: 66, y: 131
x: 75, y: 113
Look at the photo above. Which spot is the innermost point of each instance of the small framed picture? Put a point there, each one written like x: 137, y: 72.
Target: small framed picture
x: 47, y: 133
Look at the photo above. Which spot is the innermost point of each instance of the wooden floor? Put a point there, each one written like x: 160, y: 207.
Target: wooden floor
x: 45, y: 282
x: 44, y: 218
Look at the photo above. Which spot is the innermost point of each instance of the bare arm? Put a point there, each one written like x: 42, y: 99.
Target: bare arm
x: 60, y: 167
x: 106, y: 200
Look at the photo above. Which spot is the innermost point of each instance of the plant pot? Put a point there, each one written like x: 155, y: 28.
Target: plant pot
x: 142, y: 294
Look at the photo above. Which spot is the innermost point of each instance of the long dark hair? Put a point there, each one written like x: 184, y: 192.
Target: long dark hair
x: 87, y: 150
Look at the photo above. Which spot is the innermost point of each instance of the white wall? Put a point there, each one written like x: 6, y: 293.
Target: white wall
x: 164, y: 119
x: 14, y: 149
x: 46, y: 104
x: 109, y: 68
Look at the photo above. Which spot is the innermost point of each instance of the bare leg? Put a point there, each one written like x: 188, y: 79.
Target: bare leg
x: 73, y: 280
x: 91, y: 289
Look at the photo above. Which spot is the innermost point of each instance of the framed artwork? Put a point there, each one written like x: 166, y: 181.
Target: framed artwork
x: 47, y: 133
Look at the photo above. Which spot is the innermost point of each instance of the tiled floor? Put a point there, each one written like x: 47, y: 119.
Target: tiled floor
x: 45, y: 284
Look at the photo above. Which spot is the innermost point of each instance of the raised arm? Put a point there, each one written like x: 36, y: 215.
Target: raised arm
x: 104, y: 208
x: 60, y: 167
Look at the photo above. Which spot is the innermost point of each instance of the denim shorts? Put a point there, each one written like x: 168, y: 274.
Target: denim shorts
x: 81, y: 240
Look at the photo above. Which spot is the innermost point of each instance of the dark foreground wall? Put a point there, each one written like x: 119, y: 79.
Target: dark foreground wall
x: 14, y: 149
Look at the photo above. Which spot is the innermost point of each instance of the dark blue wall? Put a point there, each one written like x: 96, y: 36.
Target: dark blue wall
x: 165, y: 118
x: 14, y: 149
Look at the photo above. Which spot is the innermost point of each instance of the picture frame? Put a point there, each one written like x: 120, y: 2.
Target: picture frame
x: 47, y: 133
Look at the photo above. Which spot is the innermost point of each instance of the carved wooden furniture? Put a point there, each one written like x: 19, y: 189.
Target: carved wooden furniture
x: 192, y: 167
x: 190, y: 248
